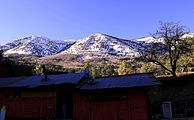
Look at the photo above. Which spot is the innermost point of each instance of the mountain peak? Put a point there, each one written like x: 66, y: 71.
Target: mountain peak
x: 35, y: 45
x: 97, y: 35
x: 103, y: 45
x: 34, y: 36
x: 101, y: 35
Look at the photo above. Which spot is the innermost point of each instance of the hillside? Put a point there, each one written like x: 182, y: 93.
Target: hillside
x: 35, y: 45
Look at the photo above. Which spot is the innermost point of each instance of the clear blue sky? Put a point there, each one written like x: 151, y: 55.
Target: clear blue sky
x: 74, y: 19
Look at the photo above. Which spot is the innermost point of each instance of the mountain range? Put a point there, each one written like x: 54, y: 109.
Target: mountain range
x: 96, y: 44
x: 93, y: 46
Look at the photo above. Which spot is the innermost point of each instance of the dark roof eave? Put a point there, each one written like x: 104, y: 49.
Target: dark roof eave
x: 40, y: 86
x: 148, y: 86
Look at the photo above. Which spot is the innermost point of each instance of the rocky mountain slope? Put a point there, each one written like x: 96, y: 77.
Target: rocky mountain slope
x: 36, y: 45
x: 96, y: 48
x: 99, y: 45
x: 96, y: 45
x: 102, y: 45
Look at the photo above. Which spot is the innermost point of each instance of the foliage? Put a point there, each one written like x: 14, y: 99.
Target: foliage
x: 148, y: 67
x: 38, y: 70
x: 124, y: 68
x: 22, y: 68
x: 100, y: 70
x: 186, y: 61
x: 103, y: 70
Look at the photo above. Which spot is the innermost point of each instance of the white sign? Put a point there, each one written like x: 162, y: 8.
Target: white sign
x: 167, y: 109
x: 2, y: 113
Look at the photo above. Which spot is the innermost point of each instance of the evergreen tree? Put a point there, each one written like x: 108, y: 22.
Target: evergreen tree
x: 96, y: 71
x: 148, y: 67
x: 89, y: 67
x: 110, y: 70
x: 124, y: 68
x: 38, y: 70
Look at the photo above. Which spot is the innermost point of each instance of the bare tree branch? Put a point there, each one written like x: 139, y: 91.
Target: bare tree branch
x: 173, y: 46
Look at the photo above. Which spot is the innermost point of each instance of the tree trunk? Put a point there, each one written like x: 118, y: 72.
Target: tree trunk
x: 174, y: 71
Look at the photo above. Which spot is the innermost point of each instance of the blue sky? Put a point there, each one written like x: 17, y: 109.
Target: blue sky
x: 75, y: 19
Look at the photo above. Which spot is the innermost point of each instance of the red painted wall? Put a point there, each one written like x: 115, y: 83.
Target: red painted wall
x: 44, y: 107
x: 113, y: 106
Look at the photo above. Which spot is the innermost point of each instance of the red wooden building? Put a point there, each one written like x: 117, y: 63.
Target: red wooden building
x: 35, y: 97
x: 114, y: 98
x: 108, y: 98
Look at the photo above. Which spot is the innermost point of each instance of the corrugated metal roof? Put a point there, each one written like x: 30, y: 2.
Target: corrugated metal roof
x: 36, y: 81
x: 136, y: 80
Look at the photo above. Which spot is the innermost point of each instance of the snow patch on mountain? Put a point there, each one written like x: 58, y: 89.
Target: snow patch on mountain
x: 102, y: 45
x: 94, y: 46
x: 36, y: 45
x: 153, y: 40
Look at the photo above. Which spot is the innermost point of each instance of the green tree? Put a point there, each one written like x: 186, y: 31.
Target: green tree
x: 103, y: 70
x: 38, y: 70
x: 110, y: 70
x: 89, y: 67
x: 124, y: 68
x: 96, y: 71
x: 148, y: 67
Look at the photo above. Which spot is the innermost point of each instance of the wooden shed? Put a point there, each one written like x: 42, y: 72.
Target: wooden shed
x: 114, y: 98
x: 35, y: 97
x: 179, y: 92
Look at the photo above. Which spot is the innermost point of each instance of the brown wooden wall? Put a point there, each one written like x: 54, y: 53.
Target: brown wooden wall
x: 112, y: 105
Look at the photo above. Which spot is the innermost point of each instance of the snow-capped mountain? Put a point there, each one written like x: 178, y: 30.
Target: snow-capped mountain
x: 102, y: 45
x: 146, y: 39
x: 153, y: 40
x: 36, y: 45
x: 96, y: 45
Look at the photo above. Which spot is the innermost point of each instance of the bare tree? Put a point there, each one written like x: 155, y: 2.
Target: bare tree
x: 172, y: 44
